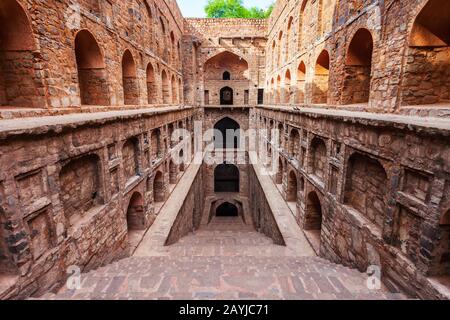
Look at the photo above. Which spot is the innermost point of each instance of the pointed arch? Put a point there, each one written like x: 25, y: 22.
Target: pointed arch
x: 129, y: 79
x: 358, y: 68
x: 321, y: 78
x: 92, y: 73
x: 152, y: 95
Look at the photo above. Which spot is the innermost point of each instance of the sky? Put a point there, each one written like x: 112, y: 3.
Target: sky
x: 195, y: 8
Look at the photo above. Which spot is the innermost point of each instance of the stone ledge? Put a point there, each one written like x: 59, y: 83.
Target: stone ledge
x: 434, y: 126
x: 56, y: 124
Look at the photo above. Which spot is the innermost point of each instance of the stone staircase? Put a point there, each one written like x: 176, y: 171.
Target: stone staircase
x: 225, y: 260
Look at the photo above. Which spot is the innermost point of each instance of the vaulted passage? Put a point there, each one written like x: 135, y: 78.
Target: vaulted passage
x: 226, y: 96
x: 321, y: 78
x: 136, y: 212
x: 227, y: 134
x: 152, y: 93
x: 427, y: 73
x: 129, y: 80
x: 165, y: 87
x: 358, y: 68
x: 226, y: 178
x: 19, y: 86
x: 158, y: 187
x: 227, y: 210
x: 92, y: 74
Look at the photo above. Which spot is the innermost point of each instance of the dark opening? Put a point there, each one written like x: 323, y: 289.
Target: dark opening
x: 227, y: 134
x: 260, y: 96
x: 226, y: 178
x: 226, y: 96
x: 226, y: 75
x: 227, y: 210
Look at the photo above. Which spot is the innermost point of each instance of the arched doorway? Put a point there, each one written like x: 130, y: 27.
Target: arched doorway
x: 227, y: 210
x: 279, y: 179
x: 427, y: 60
x: 226, y: 178
x: 226, y: 76
x: 313, y: 217
x: 358, y: 68
x: 292, y: 188
x: 18, y: 72
x: 226, y: 96
x: 129, y: 79
x: 321, y: 78
x: 136, y: 212
x: 91, y: 70
x: 158, y: 188
x: 152, y: 95
x: 165, y: 87
x: 181, y: 158
x: 227, y: 134
x: 173, y: 172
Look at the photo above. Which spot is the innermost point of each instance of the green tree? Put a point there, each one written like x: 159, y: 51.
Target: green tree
x: 234, y: 9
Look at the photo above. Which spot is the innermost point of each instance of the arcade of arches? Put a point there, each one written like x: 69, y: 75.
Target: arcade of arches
x: 331, y: 145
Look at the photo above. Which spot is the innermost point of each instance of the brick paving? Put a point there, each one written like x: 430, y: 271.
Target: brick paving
x: 224, y: 260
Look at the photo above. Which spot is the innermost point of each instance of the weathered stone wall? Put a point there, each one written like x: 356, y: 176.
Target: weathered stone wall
x: 261, y: 211
x: 66, y: 195
x: 377, y: 63
x: 151, y: 31
x: 190, y: 215
x: 240, y: 41
x: 382, y: 199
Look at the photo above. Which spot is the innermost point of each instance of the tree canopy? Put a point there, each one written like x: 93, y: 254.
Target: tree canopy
x: 235, y: 9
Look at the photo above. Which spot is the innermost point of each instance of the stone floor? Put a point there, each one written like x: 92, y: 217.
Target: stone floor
x: 224, y: 260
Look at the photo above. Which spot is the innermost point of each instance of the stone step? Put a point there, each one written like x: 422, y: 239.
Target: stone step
x: 223, y: 278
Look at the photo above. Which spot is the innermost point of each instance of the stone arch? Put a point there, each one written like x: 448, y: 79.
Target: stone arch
x: 427, y: 70
x: 226, y: 96
x: 180, y: 91
x: 17, y: 43
x: 288, y: 37
x: 165, y: 87
x: 302, y: 25
x: 358, y: 68
x: 129, y: 79
x: 272, y: 91
x: 158, y: 187
x: 294, y: 143
x: 226, y: 76
x: 227, y: 134
x: 365, y: 187
x: 292, y: 187
x: 280, y: 48
x: 130, y: 158
x: 321, y: 78
x: 318, y: 158
x: 279, y: 177
x: 152, y: 95
x: 224, y: 61
x: 136, y: 212
x: 278, y: 90
x: 287, y: 87
x: 301, y: 82
x: 92, y: 73
x: 313, y: 216
x: 156, y: 145
x: 80, y: 185
x: 227, y: 209
x: 226, y: 178
x: 173, y: 172
x: 182, y: 160
x: 281, y: 135
x: 174, y: 91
